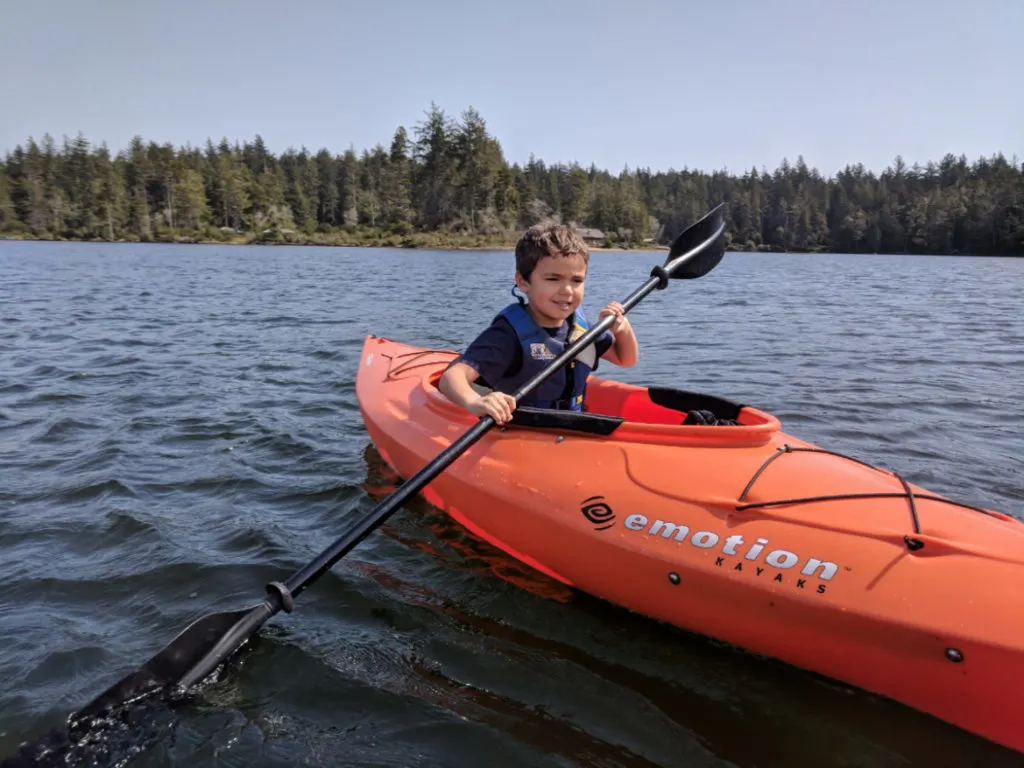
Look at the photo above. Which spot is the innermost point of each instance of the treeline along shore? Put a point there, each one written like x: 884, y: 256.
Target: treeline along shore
x: 448, y: 185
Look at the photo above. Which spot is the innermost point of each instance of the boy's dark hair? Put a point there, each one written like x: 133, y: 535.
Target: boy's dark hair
x: 542, y: 240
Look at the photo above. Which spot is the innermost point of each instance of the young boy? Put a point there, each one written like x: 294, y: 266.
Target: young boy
x: 551, y: 268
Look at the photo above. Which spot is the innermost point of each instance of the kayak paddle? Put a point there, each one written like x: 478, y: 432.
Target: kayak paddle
x: 206, y: 643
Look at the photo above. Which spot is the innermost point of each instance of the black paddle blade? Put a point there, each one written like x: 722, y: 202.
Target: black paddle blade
x: 92, y: 734
x: 186, y: 660
x: 699, y: 247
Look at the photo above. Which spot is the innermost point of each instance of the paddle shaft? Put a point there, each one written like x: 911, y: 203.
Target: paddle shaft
x: 363, y: 527
x: 280, y: 596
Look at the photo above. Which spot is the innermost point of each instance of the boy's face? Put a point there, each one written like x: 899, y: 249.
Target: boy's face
x: 555, y: 289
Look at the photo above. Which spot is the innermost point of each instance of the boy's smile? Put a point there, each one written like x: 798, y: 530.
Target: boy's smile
x: 555, y: 289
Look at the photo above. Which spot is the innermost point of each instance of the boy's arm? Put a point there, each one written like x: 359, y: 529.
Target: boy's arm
x: 456, y: 384
x: 489, y: 355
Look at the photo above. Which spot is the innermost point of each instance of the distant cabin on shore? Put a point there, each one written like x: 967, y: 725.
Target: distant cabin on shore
x: 592, y: 236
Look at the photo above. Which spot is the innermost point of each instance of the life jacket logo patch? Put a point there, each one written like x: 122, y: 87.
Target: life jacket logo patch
x: 540, y: 351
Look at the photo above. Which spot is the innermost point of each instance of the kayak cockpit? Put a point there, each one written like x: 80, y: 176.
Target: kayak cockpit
x: 638, y: 414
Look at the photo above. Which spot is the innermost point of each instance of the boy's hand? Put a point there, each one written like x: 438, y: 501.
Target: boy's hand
x: 497, y: 405
x: 621, y: 321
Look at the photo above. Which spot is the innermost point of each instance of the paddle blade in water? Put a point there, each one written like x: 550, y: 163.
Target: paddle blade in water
x: 699, y: 248
x: 188, y: 658
x: 94, y: 734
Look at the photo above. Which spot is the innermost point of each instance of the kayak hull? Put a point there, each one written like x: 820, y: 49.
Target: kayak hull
x: 735, y: 531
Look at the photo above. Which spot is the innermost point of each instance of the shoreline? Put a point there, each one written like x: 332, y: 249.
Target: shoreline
x: 410, y: 243
x: 426, y: 243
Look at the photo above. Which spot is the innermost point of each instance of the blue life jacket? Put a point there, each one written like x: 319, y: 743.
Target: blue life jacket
x: 539, y: 349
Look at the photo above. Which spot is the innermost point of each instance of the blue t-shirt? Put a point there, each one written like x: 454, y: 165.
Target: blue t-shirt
x: 497, y: 353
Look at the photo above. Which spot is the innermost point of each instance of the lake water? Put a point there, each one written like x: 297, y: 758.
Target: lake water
x: 178, y: 426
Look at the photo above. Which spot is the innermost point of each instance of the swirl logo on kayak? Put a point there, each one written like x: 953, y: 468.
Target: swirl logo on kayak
x: 597, y: 511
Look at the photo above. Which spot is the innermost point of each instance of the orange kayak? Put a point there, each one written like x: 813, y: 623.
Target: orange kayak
x: 734, y: 530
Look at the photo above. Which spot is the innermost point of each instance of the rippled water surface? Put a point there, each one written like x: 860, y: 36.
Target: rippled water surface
x: 178, y: 426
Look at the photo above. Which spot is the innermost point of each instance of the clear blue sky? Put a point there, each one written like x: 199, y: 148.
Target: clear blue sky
x: 660, y: 84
